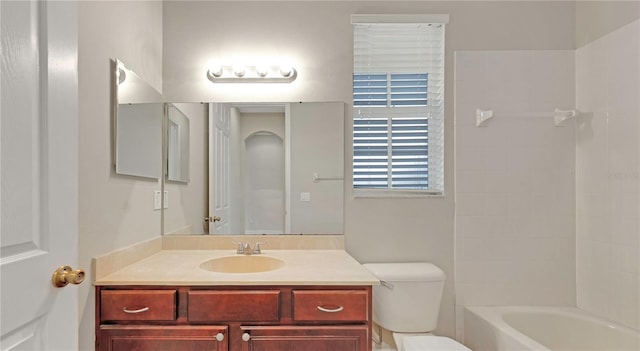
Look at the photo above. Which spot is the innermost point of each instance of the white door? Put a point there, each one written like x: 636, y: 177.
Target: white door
x: 38, y: 174
x: 219, y: 194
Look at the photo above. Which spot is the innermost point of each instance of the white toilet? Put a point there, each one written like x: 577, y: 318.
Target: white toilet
x: 408, y: 302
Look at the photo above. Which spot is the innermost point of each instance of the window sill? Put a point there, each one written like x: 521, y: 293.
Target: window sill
x: 388, y: 193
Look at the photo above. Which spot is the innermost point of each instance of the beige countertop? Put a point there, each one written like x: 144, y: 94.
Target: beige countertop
x: 302, y: 267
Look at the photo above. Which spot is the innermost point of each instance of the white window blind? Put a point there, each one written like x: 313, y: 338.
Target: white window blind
x: 398, y: 106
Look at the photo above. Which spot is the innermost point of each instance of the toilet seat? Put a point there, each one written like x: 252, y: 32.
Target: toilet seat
x: 431, y: 343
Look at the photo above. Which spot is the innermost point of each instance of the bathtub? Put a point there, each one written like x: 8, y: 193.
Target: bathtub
x: 543, y: 328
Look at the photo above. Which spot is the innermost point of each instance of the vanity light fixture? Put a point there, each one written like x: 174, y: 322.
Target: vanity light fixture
x: 252, y: 74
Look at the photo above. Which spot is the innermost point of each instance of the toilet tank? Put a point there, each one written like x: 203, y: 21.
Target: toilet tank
x: 408, y: 299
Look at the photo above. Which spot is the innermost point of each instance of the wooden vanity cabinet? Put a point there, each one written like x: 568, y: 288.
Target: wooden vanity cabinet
x: 233, y: 318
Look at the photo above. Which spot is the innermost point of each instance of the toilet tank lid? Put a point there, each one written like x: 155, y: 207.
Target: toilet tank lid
x: 406, y: 271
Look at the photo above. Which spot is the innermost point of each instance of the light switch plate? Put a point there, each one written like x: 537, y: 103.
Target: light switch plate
x: 166, y: 199
x: 157, y: 200
x: 305, y: 197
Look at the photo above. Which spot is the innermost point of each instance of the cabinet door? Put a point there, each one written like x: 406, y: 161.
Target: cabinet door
x: 161, y: 338
x: 305, y: 338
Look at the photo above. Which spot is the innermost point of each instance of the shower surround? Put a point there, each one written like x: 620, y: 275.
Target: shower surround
x: 515, y: 180
x: 549, y: 215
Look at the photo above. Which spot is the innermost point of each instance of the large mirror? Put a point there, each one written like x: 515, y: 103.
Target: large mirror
x: 233, y: 168
x: 137, y: 116
x: 260, y: 168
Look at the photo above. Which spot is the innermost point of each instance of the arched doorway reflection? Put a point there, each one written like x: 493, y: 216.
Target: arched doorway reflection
x: 264, y: 185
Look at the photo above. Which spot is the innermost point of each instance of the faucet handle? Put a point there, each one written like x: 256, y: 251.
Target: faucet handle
x: 256, y: 248
x: 240, y: 248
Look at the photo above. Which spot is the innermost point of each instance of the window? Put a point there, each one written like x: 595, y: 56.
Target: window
x: 398, y: 103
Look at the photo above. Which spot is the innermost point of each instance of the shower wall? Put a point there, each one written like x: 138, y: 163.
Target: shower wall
x: 514, y: 179
x: 608, y: 176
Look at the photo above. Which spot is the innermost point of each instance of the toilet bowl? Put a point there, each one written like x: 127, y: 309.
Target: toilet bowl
x: 407, y: 303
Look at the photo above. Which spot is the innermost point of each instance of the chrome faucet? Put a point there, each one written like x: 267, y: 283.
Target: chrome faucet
x: 256, y: 248
x: 245, y: 248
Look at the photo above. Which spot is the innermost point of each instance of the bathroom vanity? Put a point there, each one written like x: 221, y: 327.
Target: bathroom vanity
x: 316, y: 300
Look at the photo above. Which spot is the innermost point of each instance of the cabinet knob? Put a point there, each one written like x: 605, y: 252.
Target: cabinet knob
x: 220, y: 337
x: 246, y: 337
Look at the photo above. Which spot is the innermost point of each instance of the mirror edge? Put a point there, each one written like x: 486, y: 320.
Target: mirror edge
x: 118, y: 74
x: 115, y: 65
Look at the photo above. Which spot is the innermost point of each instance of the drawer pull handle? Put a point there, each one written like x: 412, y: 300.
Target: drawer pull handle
x: 220, y: 337
x: 330, y: 310
x: 144, y: 309
x: 246, y: 337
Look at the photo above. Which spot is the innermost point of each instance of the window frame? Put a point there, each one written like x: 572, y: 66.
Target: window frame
x: 390, y: 191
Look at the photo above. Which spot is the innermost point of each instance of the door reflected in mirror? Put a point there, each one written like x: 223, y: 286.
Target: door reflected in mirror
x: 177, y: 145
x: 261, y: 168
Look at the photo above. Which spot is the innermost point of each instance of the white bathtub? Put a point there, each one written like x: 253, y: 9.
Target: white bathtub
x: 543, y: 328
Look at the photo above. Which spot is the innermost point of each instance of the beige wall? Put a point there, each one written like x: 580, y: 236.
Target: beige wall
x: 114, y: 211
x: 595, y: 19
x: 316, y: 36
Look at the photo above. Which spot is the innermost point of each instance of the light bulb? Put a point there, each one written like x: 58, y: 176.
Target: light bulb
x: 239, y: 70
x: 262, y: 71
x: 122, y: 76
x: 215, y: 71
x: 286, y: 70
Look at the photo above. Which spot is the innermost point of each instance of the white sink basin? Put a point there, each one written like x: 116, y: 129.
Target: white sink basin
x: 242, y: 264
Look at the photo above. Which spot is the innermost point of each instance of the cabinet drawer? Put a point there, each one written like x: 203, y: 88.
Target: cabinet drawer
x: 138, y: 305
x: 330, y: 305
x: 234, y: 306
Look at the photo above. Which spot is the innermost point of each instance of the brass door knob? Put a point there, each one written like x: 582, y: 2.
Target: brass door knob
x: 65, y: 275
x: 212, y: 219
